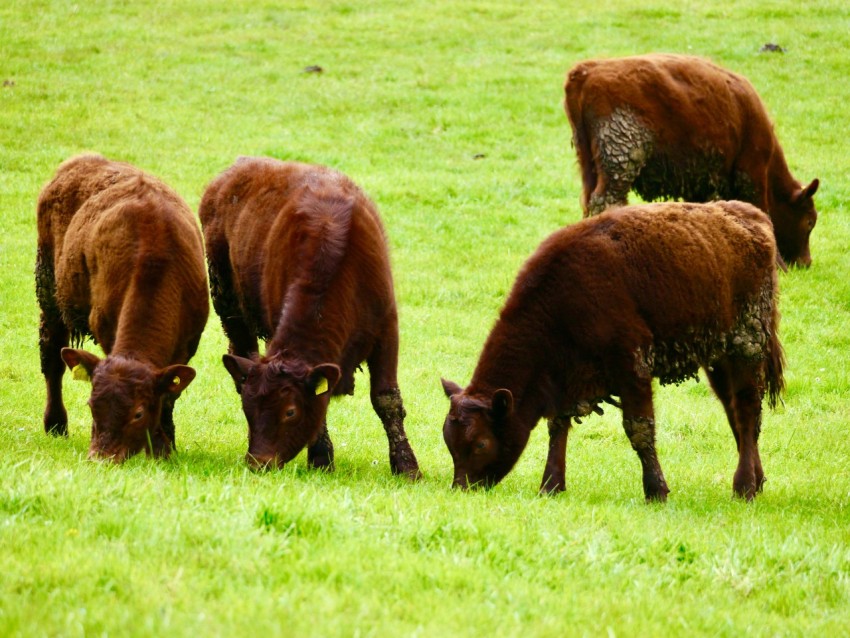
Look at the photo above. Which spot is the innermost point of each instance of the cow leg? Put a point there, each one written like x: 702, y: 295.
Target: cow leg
x: 741, y: 389
x: 53, y: 335
x: 321, y: 453
x: 554, y: 475
x: 623, y: 146
x: 607, y: 194
x: 718, y: 377
x: 243, y: 341
x: 388, y: 405
x: 639, y: 424
x: 167, y: 419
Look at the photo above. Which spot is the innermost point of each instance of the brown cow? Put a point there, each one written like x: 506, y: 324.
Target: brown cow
x: 679, y: 127
x: 120, y: 259
x: 604, y: 306
x: 297, y: 257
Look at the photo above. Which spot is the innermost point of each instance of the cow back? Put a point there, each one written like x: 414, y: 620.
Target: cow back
x: 307, y: 255
x: 128, y: 259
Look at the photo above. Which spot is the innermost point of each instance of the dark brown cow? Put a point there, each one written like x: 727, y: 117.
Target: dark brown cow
x: 120, y: 259
x: 297, y: 257
x: 604, y: 306
x: 679, y: 127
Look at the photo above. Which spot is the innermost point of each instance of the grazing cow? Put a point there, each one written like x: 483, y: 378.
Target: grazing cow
x: 679, y: 127
x: 604, y: 306
x: 297, y: 257
x: 120, y: 259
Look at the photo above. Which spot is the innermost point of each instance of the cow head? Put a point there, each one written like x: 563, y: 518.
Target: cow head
x: 483, y: 436
x: 793, y: 221
x: 126, y: 403
x: 285, y: 403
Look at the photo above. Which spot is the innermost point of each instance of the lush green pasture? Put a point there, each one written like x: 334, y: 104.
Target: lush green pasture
x: 449, y: 114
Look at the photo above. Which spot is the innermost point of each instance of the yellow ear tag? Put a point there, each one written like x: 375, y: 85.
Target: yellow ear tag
x: 80, y: 373
x: 322, y: 386
x: 176, y: 381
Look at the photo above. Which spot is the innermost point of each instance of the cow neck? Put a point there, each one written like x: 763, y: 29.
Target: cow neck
x: 781, y: 183
x: 149, y: 327
x: 304, y: 331
x: 513, y: 358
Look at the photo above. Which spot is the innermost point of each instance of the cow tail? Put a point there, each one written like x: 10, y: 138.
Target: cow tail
x: 581, y: 132
x: 774, y: 372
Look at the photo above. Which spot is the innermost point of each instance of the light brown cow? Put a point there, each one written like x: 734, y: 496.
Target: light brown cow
x: 120, y: 259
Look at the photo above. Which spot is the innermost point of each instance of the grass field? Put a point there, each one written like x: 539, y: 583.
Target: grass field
x: 449, y: 115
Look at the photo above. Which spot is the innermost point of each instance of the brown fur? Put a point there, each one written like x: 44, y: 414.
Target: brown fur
x: 604, y: 306
x: 297, y: 257
x: 120, y: 259
x: 679, y: 127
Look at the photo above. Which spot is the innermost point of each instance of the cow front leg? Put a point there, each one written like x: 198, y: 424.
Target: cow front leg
x: 639, y: 424
x: 554, y: 474
x: 167, y: 425
x: 390, y: 409
x: 321, y: 453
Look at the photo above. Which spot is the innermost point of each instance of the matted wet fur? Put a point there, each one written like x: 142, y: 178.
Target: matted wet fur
x: 680, y: 127
x: 120, y: 260
x: 602, y: 308
x: 298, y: 258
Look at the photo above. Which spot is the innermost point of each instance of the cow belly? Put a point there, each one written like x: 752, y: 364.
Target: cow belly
x: 677, y: 360
x: 696, y: 178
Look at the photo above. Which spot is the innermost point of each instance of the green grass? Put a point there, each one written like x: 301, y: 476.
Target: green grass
x: 411, y: 93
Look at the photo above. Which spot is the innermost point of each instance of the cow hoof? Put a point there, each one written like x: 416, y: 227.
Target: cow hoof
x: 409, y: 471
x: 56, y: 429
x: 745, y: 492
x: 552, y: 486
x: 655, y: 488
x: 321, y: 462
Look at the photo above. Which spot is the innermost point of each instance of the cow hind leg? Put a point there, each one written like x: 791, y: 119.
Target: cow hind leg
x: 388, y: 405
x: 621, y: 148
x: 321, y: 453
x: 738, y: 387
x: 554, y: 474
x: 718, y: 377
x: 639, y: 424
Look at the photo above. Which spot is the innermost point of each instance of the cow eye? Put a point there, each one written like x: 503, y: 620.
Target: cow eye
x: 290, y: 413
x: 138, y: 415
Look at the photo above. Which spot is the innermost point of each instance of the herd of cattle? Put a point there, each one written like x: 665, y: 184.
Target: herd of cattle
x: 297, y: 257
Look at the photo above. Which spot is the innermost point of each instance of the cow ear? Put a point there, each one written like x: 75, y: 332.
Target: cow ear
x: 450, y: 388
x: 503, y: 404
x: 323, y: 378
x: 174, y: 379
x: 810, y: 190
x: 238, y: 367
x: 81, y: 363
x: 807, y: 192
